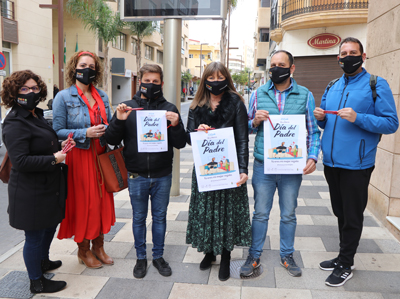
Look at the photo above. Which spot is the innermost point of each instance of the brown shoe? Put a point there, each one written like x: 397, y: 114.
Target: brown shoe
x: 98, y: 251
x: 86, y: 257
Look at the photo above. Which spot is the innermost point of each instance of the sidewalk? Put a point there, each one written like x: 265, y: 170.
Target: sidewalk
x: 377, y: 262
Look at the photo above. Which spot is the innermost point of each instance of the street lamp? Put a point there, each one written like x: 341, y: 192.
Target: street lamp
x: 241, y: 60
x: 201, y: 57
x: 227, y: 58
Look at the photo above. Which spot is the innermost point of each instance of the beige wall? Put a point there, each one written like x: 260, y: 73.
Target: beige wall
x: 34, y: 50
x: 383, y: 50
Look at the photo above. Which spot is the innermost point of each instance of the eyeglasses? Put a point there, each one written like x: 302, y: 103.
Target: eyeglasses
x: 26, y: 89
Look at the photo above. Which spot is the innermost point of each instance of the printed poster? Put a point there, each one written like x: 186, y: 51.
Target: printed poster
x: 285, y: 150
x: 215, y: 159
x: 152, y: 135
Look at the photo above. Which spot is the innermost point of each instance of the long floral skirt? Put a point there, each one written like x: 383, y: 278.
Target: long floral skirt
x: 218, y: 219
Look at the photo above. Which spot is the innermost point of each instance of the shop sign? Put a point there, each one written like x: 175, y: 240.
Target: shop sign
x: 324, y: 41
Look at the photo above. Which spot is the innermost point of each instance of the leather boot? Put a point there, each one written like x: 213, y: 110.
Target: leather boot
x: 86, y: 257
x: 224, y: 268
x: 207, y: 260
x: 44, y: 285
x: 98, y: 251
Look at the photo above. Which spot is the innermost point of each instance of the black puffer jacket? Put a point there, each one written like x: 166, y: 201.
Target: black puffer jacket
x: 152, y: 165
x: 231, y: 112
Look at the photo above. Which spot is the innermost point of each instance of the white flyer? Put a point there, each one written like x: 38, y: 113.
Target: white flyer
x: 215, y: 159
x: 152, y: 135
x: 285, y: 149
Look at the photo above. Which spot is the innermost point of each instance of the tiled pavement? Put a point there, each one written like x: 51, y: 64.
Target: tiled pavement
x: 377, y: 262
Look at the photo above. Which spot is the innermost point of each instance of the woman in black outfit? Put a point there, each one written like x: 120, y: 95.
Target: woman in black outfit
x: 37, y: 185
x: 219, y: 220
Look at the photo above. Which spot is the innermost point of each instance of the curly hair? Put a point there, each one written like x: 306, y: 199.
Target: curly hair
x: 13, y: 83
x: 73, y: 62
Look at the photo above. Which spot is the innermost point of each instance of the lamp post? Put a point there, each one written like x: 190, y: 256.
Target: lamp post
x: 227, y: 58
x: 201, y: 56
x: 241, y: 60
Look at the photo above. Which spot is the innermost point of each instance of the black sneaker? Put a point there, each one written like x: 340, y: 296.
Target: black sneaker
x: 339, y: 276
x: 249, y: 266
x: 140, y: 268
x: 162, y: 266
x: 291, y: 266
x: 331, y: 265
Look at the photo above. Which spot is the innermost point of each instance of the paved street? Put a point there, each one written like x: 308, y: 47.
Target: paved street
x: 377, y: 262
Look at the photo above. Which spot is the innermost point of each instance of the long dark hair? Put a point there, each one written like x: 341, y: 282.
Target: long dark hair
x: 203, y: 94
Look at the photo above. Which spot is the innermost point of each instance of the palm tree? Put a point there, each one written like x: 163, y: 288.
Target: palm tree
x: 99, y: 18
x: 223, y: 44
x: 141, y: 30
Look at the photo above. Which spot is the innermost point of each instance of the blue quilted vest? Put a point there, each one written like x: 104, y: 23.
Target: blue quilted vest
x: 295, y: 103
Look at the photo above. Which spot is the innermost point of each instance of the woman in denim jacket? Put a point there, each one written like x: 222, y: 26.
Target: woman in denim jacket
x: 84, y: 111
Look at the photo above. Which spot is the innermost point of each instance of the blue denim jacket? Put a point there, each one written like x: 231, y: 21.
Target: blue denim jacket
x: 71, y: 114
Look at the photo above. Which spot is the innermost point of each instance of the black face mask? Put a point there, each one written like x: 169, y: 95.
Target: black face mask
x: 216, y: 87
x: 85, y: 76
x: 151, y: 90
x: 350, y: 64
x: 279, y: 74
x: 28, y: 101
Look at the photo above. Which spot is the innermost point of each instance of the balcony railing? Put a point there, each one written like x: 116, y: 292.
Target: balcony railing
x: 292, y: 8
x: 275, y: 22
x: 7, y: 9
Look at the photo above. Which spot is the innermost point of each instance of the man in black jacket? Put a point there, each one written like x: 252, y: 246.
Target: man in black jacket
x: 149, y: 174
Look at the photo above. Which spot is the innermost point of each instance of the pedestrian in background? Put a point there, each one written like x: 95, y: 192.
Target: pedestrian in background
x: 84, y: 111
x: 219, y: 220
x: 37, y: 185
x: 349, y: 146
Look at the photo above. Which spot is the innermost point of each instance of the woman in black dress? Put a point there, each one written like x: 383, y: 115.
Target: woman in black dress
x: 37, y: 185
x: 219, y: 220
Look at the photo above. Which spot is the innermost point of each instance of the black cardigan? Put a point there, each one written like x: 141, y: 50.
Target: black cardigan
x: 231, y: 112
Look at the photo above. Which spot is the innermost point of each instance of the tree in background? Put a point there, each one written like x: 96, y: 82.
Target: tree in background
x: 241, y: 79
x: 141, y: 30
x: 224, y: 31
x: 101, y: 20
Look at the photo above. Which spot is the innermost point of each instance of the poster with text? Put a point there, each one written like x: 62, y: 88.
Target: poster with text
x: 152, y: 135
x: 285, y: 150
x: 215, y: 159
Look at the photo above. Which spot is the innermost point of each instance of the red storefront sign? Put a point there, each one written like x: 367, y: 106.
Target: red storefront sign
x: 324, y: 41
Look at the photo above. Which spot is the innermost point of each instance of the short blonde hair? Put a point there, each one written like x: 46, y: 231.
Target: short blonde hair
x: 73, y: 62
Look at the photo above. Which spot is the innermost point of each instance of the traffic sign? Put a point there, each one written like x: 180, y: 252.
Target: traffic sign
x: 3, y: 73
x: 3, y: 61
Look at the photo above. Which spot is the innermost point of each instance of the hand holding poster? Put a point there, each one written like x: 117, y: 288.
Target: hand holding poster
x: 215, y: 159
x: 152, y: 135
x: 285, y: 149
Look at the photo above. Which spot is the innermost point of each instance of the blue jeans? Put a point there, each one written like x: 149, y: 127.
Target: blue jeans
x: 140, y: 188
x: 264, y: 186
x: 36, y: 249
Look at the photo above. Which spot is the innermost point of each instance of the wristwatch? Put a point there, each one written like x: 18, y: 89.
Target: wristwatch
x: 55, y: 161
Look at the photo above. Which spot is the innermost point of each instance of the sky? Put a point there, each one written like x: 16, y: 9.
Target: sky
x: 242, y: 26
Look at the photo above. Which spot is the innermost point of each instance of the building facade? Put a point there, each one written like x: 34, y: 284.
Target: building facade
x: 383, y: 51
x: 312, y: 31
x: 261, y: 41
x: 201, y: 54
x: 27, y: 40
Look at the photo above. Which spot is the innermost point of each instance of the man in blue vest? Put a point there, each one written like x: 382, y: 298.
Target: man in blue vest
x: 349, y: 145
x: 280, y: 95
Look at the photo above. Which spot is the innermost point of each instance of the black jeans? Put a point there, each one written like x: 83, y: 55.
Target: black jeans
x: 349, y: 196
